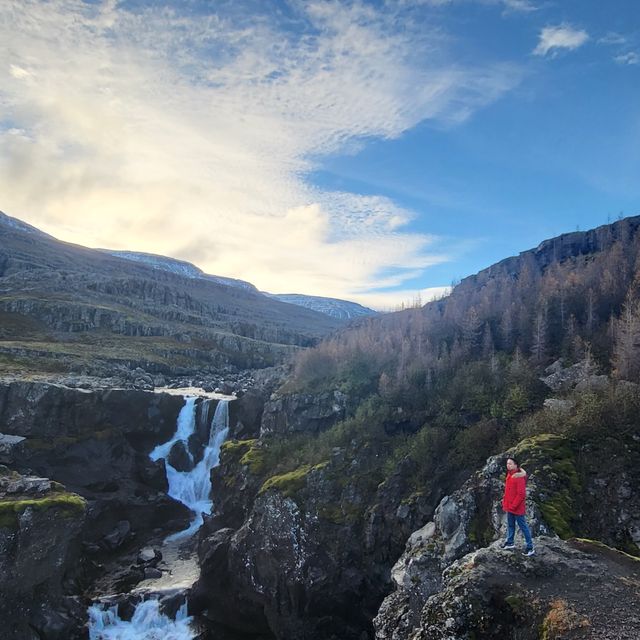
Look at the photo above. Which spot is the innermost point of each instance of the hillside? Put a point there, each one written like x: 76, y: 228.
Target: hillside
x: 65, y: 307
x: 394, y: 433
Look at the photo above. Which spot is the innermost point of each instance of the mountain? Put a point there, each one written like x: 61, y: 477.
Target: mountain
x: 180, y: 267
x: 339, y: 309
x: 360, y: 495
x: 66, y: 307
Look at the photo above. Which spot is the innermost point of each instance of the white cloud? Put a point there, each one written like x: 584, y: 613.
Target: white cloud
x: 631, y: 57
x: 191, y: 135
x: 560, y: 37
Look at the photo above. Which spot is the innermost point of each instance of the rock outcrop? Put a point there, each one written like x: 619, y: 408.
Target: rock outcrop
x: 471, y: 519
x: 574, y: 589
x: 40, y: 527
x: 298, y: 412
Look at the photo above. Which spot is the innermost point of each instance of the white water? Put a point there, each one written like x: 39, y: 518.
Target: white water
x: 148, y: 623
x: 193, y: 489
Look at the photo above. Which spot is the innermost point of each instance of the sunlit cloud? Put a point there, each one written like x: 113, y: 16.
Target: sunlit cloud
x: 563, y: 36
x: 191, y: 134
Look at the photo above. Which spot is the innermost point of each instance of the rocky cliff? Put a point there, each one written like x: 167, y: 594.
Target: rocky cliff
x: 40, y: 533
x: 312, y: 553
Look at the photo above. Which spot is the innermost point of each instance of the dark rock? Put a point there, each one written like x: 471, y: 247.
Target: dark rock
x: 303, y: 413
x: 39, y: 545
x: 10, y: 447
x: 151, y: 573
x: 565, y: 590
x: 245, y: 415
x: 118, y: 536
x: 180, y: 458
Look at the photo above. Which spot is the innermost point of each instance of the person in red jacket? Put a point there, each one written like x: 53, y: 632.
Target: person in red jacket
x: 513, y: 502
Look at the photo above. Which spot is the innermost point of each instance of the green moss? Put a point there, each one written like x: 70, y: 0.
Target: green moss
x: 254, y: 459
x: 288, y: 483
x: 46, y: 444
x: 517, y: 603
x: 552, y: 457
x: 236, y: 447
x: 246, y: 453
x: 69, y: 505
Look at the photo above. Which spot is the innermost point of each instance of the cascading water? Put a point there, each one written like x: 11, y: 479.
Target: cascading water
x: 147, y: 623
x: 193, y: 489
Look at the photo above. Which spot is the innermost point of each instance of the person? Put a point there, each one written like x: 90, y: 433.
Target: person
x: 513, y: 502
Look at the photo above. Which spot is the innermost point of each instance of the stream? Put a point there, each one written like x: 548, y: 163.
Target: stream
x: 193, y: 489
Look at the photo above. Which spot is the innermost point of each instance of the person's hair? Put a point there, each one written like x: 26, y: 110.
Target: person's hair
x: 514, y: 461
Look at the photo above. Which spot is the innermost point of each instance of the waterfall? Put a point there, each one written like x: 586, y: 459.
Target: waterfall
x: 147, y: 623
x: 193, y: 489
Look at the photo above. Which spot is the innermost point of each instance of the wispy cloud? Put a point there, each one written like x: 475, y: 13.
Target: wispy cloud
x: 631, y: 57
x: 612, y: 38
x: 563, y: 36
x: 188, y: 133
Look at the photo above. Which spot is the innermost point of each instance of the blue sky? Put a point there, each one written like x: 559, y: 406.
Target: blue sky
x: 364, y: 150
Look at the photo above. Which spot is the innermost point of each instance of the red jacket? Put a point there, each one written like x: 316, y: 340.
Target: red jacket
x: 515, y: 493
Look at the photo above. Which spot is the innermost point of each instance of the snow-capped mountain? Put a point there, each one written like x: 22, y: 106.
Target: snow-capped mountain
x: 180, y: 267
x: 341, y: 309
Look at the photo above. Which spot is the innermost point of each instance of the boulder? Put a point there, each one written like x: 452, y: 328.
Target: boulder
x: 10, y: 447
x: 179, y: 457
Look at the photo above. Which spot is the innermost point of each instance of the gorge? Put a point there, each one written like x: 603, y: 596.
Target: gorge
x: 353, y: 490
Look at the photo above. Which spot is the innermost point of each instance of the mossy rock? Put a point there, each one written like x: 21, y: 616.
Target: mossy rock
x: 245, y: 452
x: 67, y: 505
x: 289, y: 484
x: 553, y: 457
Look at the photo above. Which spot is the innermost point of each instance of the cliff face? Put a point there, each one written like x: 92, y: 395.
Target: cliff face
x: 40, y: 526
x: 97, y: 444
x: 309, y: 554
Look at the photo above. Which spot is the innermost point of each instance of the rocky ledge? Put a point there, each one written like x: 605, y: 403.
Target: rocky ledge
x: 40, y: 525
x: 573, y: 589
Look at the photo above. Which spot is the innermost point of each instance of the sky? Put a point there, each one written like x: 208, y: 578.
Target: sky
x: 370, y: 151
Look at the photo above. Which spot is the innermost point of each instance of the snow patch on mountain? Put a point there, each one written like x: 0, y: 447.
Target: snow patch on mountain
x: 14, y: 223
x: 180, y: 267
x: 340, y: 309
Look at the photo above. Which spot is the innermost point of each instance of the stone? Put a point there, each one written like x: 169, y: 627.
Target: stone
x: 151, y: 573
x: 10, y: 446
x: 179, y: 457
x: 147, y: 555
x: 117, y: 536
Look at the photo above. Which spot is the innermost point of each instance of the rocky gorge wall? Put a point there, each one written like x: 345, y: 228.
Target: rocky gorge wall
x: 78, y: 492
x: 316, y: 554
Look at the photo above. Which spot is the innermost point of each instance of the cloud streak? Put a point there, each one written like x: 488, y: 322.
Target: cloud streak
x: 181, y: 132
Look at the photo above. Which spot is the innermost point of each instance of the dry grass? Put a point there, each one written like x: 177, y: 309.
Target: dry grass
x: 561, y: 619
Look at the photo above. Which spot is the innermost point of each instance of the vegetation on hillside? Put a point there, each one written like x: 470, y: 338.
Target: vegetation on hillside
x: 440, y: 388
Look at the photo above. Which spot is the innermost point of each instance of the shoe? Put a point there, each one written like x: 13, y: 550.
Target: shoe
x: 529, y: 552
x: 508, y: 545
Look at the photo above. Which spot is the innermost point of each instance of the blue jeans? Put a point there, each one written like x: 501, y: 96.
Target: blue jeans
x: 512, y: 518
